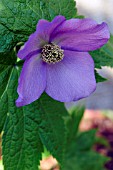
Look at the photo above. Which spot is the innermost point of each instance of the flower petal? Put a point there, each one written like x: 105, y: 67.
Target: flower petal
x: 40, y: 37
x: 81, y: 35
x: 30, y: 48
x: 32, y: 81
x: 46, y: 29
x: 72, y: 78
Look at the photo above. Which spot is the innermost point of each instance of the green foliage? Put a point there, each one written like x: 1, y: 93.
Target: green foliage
x: 7, y: 61
x: 78, y: 153
x: 86, y: 160
x: 64, y: 7
x: 3, y: 110
x: 103, y: 141
x: 108, y: 48
x: 89, y: 139
x: 99, y: 78
x: 104, y: 56
x: 72, y: 123
x: 51, y: 126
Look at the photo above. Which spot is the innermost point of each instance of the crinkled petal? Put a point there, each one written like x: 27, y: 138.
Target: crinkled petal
x: 81, y: 35
x: 72, y: 78
x: 40, y: 37
x: 32, y: 81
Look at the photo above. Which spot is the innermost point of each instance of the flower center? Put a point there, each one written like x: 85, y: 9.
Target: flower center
x: 52, y: 53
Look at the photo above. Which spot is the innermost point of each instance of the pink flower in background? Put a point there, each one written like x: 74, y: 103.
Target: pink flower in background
x: 57, y: 60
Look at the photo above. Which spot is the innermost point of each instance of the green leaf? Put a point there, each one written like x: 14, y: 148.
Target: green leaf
x: 4, y: 76
x: 108, y: 48
x: 99, y: 78
x: 21, y: 144
x: 85, y: 140
x: 6, y: 36
x: 3, y: 110
x: 101, y: 58
x: 18, y: 19
x: 52, y: 127
x: 7, y: 61
x: 87, y: 161
x: 102, y: 141
x: 104, y: 56
x: 64, y: 7
x: 72, y: 123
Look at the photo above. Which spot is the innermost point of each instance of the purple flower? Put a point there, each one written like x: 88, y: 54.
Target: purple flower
x: 57, y: 60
